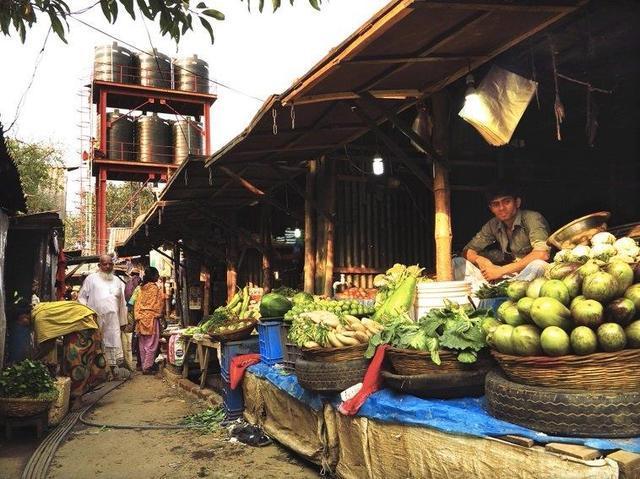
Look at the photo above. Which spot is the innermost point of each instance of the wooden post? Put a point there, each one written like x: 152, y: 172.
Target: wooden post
x: 330, y: 227
x: 441, y: 188
x: 309, y: 230
x: 232, y: 265
x: 265, y: 230
x: 321, y: 227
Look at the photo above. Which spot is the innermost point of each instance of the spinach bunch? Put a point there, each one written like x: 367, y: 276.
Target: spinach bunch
x: 28, y: 379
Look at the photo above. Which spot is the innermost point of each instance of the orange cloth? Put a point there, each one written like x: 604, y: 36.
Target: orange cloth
x: 149, y: 306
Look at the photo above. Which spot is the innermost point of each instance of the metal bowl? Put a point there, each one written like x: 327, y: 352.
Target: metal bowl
x: 579, y: 231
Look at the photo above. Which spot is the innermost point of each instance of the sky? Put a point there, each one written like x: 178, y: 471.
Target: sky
x: 255, y: 54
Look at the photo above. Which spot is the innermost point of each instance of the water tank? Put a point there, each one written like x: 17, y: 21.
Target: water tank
x: 114, y: 63
x: 154, y: 139
x: 120, y: 136
x: 187, y: 138
x: 154, y: 70
x: 191, y: 74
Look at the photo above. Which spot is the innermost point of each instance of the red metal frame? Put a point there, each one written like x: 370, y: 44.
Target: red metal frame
x: 130, y: 97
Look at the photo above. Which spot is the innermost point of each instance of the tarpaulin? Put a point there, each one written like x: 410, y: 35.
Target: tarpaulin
x: 466, y: 416
x: 57, y: 318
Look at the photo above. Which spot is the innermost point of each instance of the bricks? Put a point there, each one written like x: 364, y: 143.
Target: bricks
x: 573, y: 450
x: 628, y: 462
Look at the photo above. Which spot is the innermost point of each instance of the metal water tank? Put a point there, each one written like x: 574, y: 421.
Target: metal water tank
x: 187, y: 138
x: 114, y: 63
x: 120, y: 136
x: 154, y: 139
x: 154, y: 70
x: 191, y: 74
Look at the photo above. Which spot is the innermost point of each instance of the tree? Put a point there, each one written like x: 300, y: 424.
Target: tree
x: 41, y: 173
x: 127, y: 201
x: 175, y: 17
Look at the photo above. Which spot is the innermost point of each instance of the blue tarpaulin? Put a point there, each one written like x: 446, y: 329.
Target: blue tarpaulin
x: 466, y: 416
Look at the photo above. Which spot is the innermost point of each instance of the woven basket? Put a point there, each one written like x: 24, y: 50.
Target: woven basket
x: 23, y: 407
x: 409, y: 362
x: 595, y: 372
x: 334, y: 355
x: 236, y: 335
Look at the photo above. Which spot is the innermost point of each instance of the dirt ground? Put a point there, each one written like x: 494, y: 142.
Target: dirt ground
x: 105, y: 453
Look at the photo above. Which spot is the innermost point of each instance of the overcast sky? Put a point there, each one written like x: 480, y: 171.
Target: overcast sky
x: 256, y: 54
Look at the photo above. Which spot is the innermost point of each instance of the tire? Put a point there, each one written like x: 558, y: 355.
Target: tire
x: 330, y: 377
x: 564, y: 412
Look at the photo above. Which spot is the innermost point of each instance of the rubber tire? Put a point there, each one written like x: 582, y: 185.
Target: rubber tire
x: 330, y: 377
x: 564, y: 412
x: 454, y: 384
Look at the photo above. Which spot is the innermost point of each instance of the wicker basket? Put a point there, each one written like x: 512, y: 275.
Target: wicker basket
x: 409, y: 362
x: 23, y: 407
x: 236, y: 335
x: 595, y: 372
x: 334, y: 355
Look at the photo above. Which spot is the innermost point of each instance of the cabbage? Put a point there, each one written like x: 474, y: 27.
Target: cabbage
x: 580, y: 253
x: 627, y: 247
x: 562, y: 256
x: 603, y: 251
x: 603, y: 238
x: 619, y: 257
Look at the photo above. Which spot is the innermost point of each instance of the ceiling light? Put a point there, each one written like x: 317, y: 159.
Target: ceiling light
x: 377, y: 165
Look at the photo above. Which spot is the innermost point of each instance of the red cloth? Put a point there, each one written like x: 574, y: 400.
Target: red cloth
x: 370, y: 384
x: 238, y: 365
x: 61, y: 275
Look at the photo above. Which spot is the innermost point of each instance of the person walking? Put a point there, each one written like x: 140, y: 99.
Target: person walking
x: 104, y: 293
x: 148, y: 310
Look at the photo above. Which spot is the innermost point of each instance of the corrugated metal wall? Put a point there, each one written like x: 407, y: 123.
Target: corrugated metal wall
x: 377, y: 226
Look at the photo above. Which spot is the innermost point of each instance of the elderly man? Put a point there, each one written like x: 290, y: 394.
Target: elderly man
x: 520, y: 240
x: 104, y: 293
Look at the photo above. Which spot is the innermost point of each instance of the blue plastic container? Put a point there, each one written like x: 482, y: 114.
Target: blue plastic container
x: 270, y: 343
x: 233, y: 401
x: 492, y: 303
x: 235, y: 348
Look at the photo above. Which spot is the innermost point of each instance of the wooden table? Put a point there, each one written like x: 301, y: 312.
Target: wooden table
x: 203, y: 349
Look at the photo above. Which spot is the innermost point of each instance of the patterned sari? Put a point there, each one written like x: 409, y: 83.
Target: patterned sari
x: 84, y: 361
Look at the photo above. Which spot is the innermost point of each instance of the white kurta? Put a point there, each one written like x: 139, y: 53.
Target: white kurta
x: 106, y: 297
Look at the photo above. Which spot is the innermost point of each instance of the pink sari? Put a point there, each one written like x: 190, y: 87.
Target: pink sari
x: 148, y: 345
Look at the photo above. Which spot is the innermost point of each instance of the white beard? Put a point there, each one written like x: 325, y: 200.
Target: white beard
x: 106, y: 276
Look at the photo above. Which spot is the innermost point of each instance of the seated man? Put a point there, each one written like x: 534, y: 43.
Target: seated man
x: 520, y: 235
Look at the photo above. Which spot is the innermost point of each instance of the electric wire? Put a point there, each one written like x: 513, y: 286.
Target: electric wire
x: 33, y: 76
x: 215, y: 82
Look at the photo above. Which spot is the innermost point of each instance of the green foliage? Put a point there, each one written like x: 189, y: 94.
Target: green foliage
x: 29, y: 379
x: 497, y: 290
x: 206, y: 421
x: 175, y: 17
x: 453, y: 327
x: 39, y: 165
x: 122, y: 211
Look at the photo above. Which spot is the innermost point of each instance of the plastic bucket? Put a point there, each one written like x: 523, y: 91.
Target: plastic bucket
x: 432, y: 295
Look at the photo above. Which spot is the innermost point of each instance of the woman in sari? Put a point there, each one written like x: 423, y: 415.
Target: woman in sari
x: 148, y: 310
x: 83, y: 361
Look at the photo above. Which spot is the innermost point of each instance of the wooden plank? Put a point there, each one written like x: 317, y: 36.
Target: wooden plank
x: 628, y: 462
x: 499, y: 7
x: 519, y: 440
x: 397, y: 94
x: 387, y: 60
x: 573, y: 450
x: 241, y: 181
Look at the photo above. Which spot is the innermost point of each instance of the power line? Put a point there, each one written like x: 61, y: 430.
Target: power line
x: 215, y: 82
x: 33, y: 76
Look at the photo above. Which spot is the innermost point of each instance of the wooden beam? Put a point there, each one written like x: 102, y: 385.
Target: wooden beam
x: 444, y: 38
x: 387, y: 60
x: 395, y: 149
x: 404, y: 129
x: 399, y: 94
x: 226, y: 186
x: 330, y: 226
x: 497, y: 7
x: 280, y: 150
x: 240, y: 180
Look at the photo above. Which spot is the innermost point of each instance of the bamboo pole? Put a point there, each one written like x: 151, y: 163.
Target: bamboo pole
x: 232, y: 265
x: 309, y: 230
x: 441, y: 189
x: 330, y: 228
x: 265, y: 227
x: 321, y: 226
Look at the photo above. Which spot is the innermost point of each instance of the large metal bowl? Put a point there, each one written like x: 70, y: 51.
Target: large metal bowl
x: 579, y: 231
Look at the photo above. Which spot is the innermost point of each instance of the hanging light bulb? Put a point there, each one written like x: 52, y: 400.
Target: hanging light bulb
x: 471, y: 87
x: 377, y: 164
x: 297, y: 233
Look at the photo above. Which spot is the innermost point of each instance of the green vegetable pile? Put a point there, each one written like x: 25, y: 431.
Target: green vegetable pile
x: 453, y: 327
x: 235, y: 312
x: 345, y: 306
x: 497, y: 290
x: 27, y: 379
x: 206, y: 421
x: 396, y: 289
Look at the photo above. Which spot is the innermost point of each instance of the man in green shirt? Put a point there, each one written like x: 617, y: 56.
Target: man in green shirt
x: 518, y: 239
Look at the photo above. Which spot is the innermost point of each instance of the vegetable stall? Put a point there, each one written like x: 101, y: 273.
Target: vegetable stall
x: 356, y: 305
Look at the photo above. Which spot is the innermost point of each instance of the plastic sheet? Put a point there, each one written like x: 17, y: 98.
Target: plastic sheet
x: 465, y: 416
x: 498, y: 105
